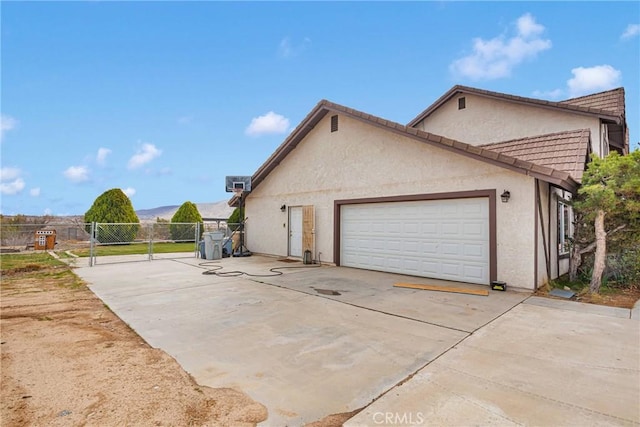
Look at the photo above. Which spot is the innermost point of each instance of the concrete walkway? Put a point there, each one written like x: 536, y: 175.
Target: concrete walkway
x: 322, y: 340
x: 536, y: 365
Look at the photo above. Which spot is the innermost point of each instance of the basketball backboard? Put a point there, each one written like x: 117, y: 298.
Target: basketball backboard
x: 235, y: 184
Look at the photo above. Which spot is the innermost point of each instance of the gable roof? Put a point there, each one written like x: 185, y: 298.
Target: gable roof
x: 557, y: 177
x: 611, y: 100
x: 595, y: 105
x: 564, y: 151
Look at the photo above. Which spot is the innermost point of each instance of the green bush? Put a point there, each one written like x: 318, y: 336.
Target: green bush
x: 235, y: 219
x: 183, y: 223
x: 113, y: 207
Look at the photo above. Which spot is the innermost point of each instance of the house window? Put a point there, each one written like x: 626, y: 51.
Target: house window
x: 565, y: 231
x: 462, y: 103
x: 334, y: 123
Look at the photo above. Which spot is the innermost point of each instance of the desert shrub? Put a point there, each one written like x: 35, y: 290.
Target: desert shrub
x: 183, y: 223
x: 113, y: 207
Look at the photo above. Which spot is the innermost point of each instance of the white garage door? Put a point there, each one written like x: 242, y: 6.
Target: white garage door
x: 442, y: 239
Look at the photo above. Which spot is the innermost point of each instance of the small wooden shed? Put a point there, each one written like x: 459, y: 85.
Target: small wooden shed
x: 45, y: 239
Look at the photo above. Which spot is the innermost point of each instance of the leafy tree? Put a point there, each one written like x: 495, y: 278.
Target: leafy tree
x: 608, y: 202
x: 236, y: 217
x: 183, y: 226
x: 114, y: 207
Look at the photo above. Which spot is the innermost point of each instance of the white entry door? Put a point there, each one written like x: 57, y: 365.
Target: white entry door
x: 295, y: 231
x: 442, y: 239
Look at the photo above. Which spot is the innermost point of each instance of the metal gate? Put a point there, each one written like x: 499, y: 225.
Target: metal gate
x: 126, y: 242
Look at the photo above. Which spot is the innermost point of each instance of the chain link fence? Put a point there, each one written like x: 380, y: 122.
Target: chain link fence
x: 16, y: 237
x: 158, y: 239
x: 105, y: 240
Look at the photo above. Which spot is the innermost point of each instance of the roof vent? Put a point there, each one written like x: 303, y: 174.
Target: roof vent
x: 334, y: 123
x: 462, y: 103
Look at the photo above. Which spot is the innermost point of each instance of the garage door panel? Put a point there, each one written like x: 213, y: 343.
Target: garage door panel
x: 446, y: 239
x: 429, y: 228
x: 471, y: 271
x: 411, y: 227
x: 475, y: 251
x: 450, y: 229
x: 451, y: 269
x: 451, y: 249
x: 474, y: 228
x: 429, y: 248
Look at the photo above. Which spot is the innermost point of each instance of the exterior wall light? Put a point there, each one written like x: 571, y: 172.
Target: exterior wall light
x: 505, y: 196
x: 283, y: 208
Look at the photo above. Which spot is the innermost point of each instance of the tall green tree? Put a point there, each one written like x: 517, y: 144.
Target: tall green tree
x: 235, y: 219
x: 114, y: 207
x: 609, y: 199
x: 183, y: 222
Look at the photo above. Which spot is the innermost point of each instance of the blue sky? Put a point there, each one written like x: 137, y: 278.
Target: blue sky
x: 165, y: 99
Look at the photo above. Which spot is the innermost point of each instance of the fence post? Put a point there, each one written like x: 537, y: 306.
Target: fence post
x: 150, y: 229
x: 91, y: 243
x: 197, y: 239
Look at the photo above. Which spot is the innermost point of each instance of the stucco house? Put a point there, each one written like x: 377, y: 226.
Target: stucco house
x: 474, y: 189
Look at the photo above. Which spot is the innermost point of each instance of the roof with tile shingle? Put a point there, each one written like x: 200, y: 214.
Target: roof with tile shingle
x: 563, y: 151
x: 593, y: 105
x: 611, y: 100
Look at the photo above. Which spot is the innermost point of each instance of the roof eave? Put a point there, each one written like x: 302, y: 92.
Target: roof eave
x: 558, y: 178
x: 515, y: 99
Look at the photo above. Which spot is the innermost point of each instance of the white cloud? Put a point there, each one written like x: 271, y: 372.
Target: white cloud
x: 101, y: 157
x: 631, y: 31
x: 496, y: 58
x: 270, y: 123
x: 34, y: 192
x: 76, y: 173
x: 13, y: 187
x: 527, y: 26
x: 185, y: 120
x: 47, y: 211
x: 593, y: 79
x: 9, y: 173
x: 129, y: 191
x: 144, y: 155
x: 286, y: 49
x: 11, y: 181
x: 7, y: 123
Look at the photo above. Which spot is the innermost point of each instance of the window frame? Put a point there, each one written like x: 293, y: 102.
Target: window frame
x: 565, y: 227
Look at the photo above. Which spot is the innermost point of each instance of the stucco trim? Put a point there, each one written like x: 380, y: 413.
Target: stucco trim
x: 491, y: 194
x: 563, y: 106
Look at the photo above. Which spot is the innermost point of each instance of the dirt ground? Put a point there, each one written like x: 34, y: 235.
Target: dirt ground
x: 624, y: 298
x: 68, y: 360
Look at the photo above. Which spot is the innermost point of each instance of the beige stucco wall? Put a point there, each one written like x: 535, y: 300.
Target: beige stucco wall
x: 361, y: 161
x: 486, y: 120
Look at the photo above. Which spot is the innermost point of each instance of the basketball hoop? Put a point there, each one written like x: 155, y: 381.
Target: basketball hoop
x: 239, y: 185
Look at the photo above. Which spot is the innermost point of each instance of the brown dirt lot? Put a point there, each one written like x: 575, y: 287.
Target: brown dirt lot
x: 68, y: 360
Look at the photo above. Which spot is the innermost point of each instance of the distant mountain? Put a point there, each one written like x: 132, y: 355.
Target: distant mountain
x: 207, y: 210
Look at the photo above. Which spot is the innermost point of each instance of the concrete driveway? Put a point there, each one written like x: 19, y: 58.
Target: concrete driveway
x: 316, y: 341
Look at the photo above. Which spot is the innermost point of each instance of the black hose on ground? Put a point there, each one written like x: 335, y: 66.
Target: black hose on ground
x: 235, y: 273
